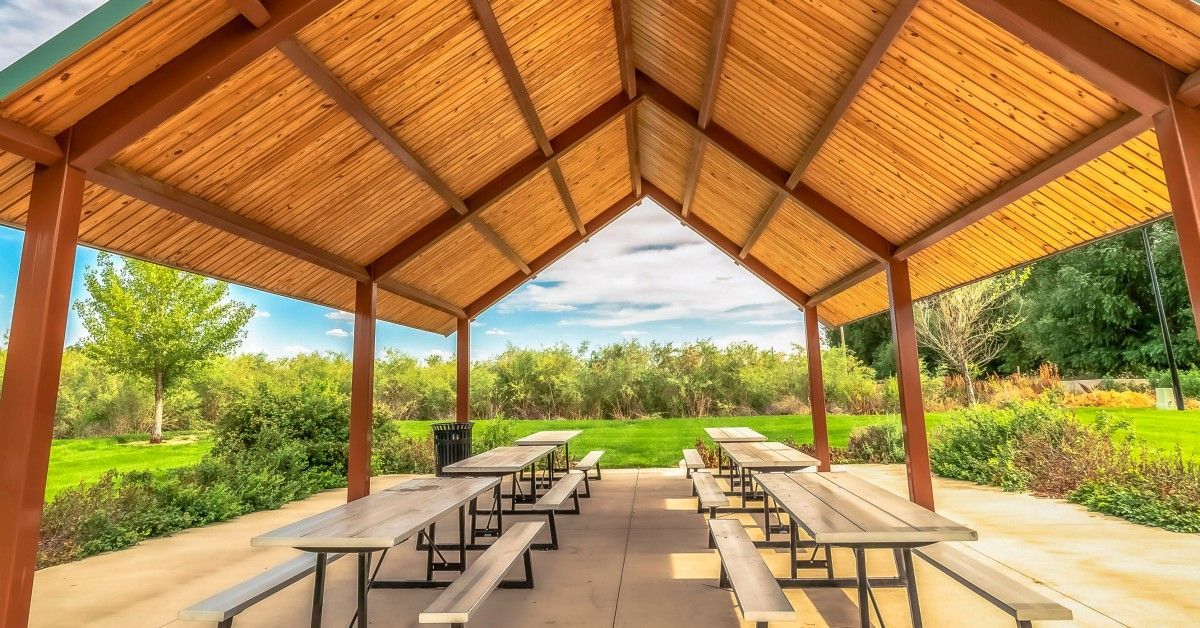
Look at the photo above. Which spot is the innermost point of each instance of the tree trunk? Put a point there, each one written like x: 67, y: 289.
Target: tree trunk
x: 966, y: 369
x: 156, y: 435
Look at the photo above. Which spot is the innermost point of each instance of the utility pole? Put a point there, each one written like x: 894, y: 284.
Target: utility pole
x: 1162, y: 319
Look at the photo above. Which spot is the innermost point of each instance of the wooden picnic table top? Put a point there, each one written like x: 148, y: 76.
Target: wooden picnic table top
x: 380, y: 520
x: 501, y: 460
x: 754, y: 455
x: 733, y: 435
x: 549, y: 437
x: 838, y: 508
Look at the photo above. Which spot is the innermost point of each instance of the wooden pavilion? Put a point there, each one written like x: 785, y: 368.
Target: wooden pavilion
x: 417, y: 161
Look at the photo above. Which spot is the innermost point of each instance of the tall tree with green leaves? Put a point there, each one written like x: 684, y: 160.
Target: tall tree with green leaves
x: 157, y: 322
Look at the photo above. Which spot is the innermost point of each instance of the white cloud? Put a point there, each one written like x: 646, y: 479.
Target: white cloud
x: 647, y: 268
x: 338, y: 315
x: 497, y: 332
x: 337, y: 333
x: 27, y: 24
x: 262, y: 314
x: 633, y: 332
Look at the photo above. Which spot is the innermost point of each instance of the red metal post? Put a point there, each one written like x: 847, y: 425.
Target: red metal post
x: 1178, y: 129
x: 362, y: 392
x: 908, y: 376
x: 30, y: 391
x: 816, y: 387
x: 462, y: 359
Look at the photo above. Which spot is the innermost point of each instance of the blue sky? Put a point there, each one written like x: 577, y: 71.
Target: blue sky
x: 645, y: 276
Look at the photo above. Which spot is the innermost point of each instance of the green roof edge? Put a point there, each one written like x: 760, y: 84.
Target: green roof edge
x: 66, y: 43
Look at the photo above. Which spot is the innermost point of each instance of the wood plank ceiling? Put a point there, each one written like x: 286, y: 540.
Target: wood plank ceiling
x: 451, y: 149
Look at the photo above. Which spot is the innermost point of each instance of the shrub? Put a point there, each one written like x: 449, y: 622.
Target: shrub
x: 492, y: 434
x: 392, y: 451
x: 1189, y: 381
x: 876, y: 444
x: 1110, y: 399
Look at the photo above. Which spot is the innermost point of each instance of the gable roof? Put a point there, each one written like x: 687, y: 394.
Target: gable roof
x: 451, y: 149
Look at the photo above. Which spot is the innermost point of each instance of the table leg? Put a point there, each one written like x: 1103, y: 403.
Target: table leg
x: 864, y: 605
x: 499, y: 512
x: 567, y: 457
x: 462, y: 538
x: 766, y: 517
x: 364, y: 584
x: 318, y: 590
x: 550, y: 468
x: 910, y: 584
x: 431, y: 534
x: 533, y: 481
x: 743, y: 484
x: 720, y: 456
x: 793, y: 542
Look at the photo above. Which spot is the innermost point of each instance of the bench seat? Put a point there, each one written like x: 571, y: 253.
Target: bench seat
x: 1024, y: 604
x: 692, y: 461
x: 589, y: 463
x: 224, y: 606
x: 464, y: 596
x: 555, y: 501
x: 758, y: 593
x: 709, y: 495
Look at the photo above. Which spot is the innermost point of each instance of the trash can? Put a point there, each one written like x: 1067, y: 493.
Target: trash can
x: 451, y: 443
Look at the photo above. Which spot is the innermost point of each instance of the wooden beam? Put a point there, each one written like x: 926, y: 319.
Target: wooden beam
x: 891, y: 30
x: 25, y: 142
x: 159, y: 194
x: 1104, y: 58
x: 41, y: 305
x: 462, y: 368
x: 1178, y: 131
x: 1189, y: 90
x: 827, y: 211
x: 718, y: 44
x: 816, y: 387
x: 761, y: 226
x: 1094, y: 145
x: 847, y: 282
x: 623, y: 27
x: 908, y: 381
x: 323, y: 77
x: 498, y: 242
x: 499, y: 187
x: 564, y: 246
x: 727, y: 246
x: 362, y: 391
x: 516, y: 85
x: 633, y: 150
x: 252, y: 10
x: 420, y: 296
x: 183, y: 80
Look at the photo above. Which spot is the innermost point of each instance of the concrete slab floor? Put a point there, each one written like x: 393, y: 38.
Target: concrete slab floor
x: 637, y: 557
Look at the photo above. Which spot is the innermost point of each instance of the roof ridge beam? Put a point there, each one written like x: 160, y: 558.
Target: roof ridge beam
x: 23, y: 141
x: 553, y: 254
x: 1092, y: 146
x: 182, y: 81
x: 1086, y: 48
x: 756, y: 267
x: 623, y: 31
x: 718, y: 45
x: 498, y: 188
x: 520, y: 92
x: 826, y: 210
x: 252, y: 10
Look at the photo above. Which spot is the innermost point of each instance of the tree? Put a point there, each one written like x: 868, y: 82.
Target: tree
x: 155, y: 322
x: 968, y: 326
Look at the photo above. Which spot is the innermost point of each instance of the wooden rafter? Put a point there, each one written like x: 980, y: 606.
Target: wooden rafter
x: 23, y: 141
x: 891, y: 30
x: 1092, y: 146
x: 192, y: 207
x: 179, y: 83
x: 516, y: 85
x: 623, y: 32
x: 497, y: 188
x: 564, y: 246
x: 845, y: 283
x: 717, y: 46
x: 252, y: 10
x: 631, y: 146
x: 727, y: 246
x: 826, y: 210
x: 333, y: 87
x: 1106, y: 59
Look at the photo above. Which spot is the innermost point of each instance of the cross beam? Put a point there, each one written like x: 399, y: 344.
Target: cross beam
x: 1189, y: 90
x: 23, y: 141
x: 553, y: 254
x: 827, y: 211
x: 847, y: 282
x: 718, y: 45
x: 497, y: 188
x: 727, y: 246
x: 1104, y: 58
x: 252, y: 10
x: 516, y: 84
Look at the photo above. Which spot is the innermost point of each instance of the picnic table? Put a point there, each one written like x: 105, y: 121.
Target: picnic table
x: 508, y: 461
x: 557, y: 438
x: 841, y: 510
x: 379, y: 522
x: 731, y: 435
x: 746, y: 458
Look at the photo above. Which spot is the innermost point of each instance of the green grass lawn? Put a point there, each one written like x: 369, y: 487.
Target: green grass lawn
x: 76, y: 460
x: 631, y: 443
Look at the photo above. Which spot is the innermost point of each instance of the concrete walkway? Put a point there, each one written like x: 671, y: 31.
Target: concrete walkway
x: 637, y: 557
